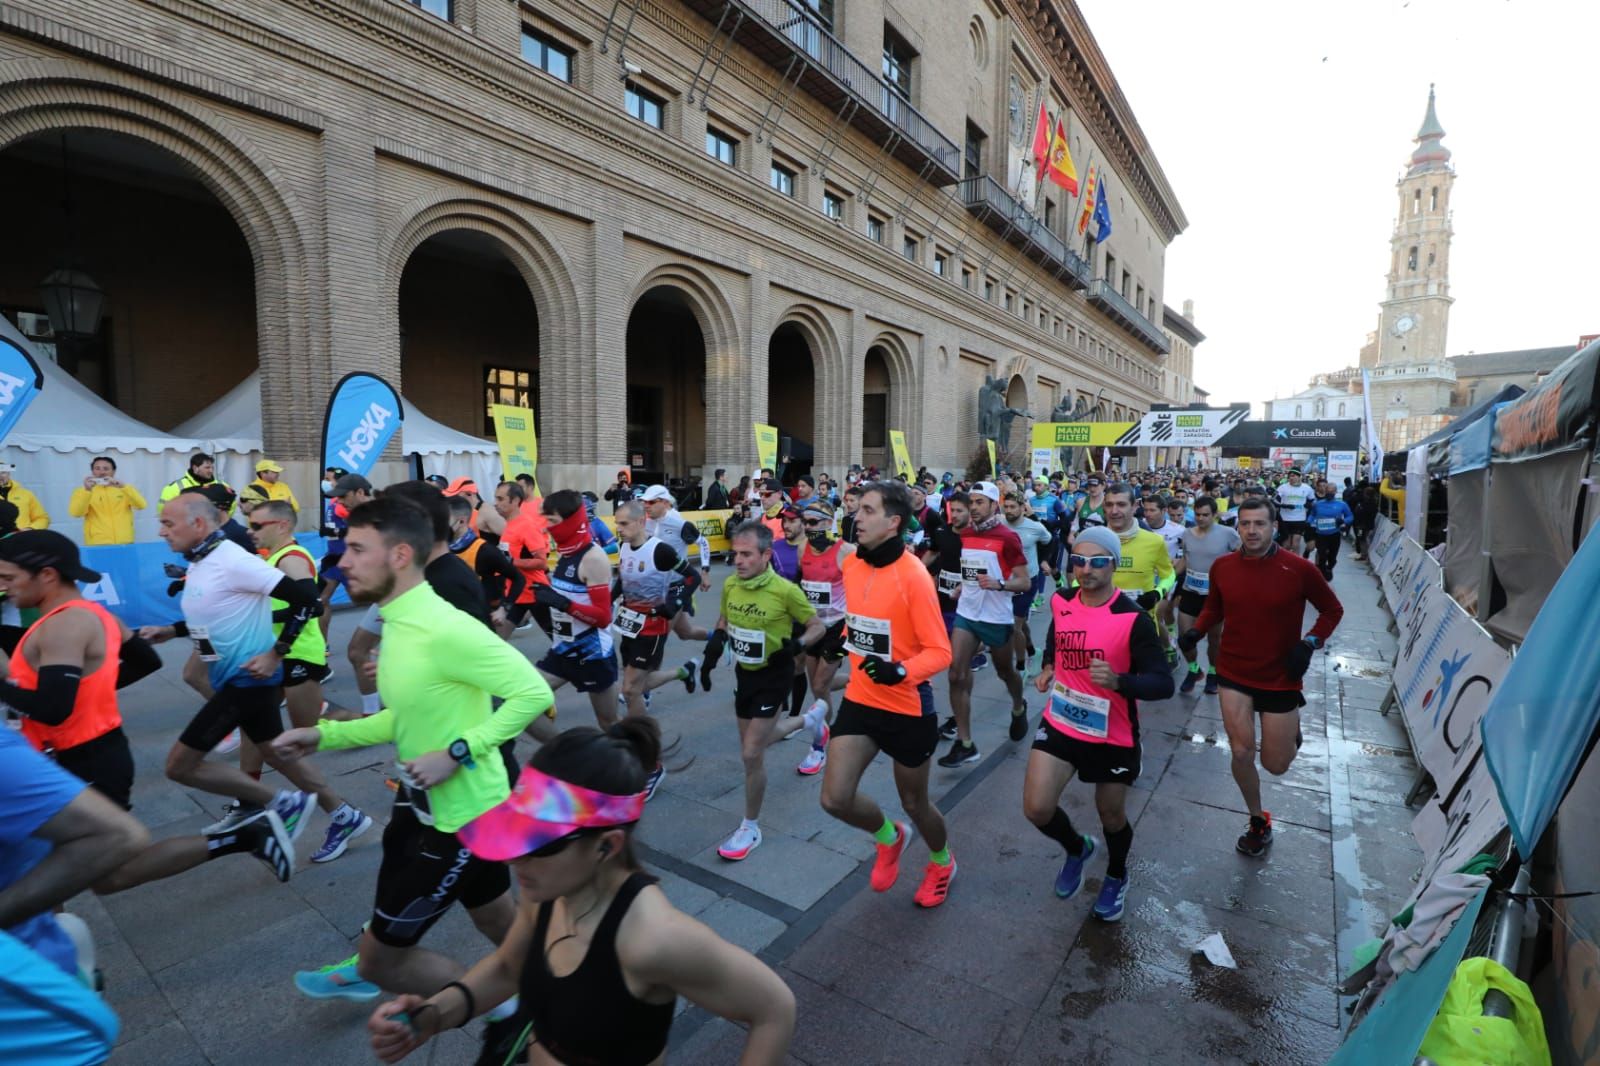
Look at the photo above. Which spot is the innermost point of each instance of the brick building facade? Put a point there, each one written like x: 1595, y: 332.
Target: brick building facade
x: 653, y: 222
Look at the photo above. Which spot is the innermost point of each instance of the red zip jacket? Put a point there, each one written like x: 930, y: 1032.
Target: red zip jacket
x: 1261, y: 603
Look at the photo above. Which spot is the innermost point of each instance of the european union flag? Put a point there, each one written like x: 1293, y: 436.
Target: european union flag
x: 1102, y: 214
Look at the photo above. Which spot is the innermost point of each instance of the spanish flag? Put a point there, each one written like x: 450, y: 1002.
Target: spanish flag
x: 1090, y: 188
x: 1059, y: 167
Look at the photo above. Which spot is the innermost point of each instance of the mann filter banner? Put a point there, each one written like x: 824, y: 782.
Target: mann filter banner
x: 902, y: 457
x: 766, y: 446
x: 1189, y: 427
x: 1079, y: 434
x: 364, y: 414
x: 514, y: 431
x: 20, y: 383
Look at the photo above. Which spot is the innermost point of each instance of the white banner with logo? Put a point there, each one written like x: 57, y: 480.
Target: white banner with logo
x: 1043, y: 460
x: 1406, y: 572
x: 1341, y: 465
x: 1191, y: 428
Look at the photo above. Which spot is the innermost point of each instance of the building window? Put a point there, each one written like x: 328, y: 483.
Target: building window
x: 1299, y: 411
x: 941, y: 263
x: 897, y: 58
x: 1058, y: 327
x: 435, y: 7
x: 1138, y: 300
x: 833, y: 205
x: 1433, y: 199
x: 1411, y: 258
x: 1127, y: 279
x: 823, y: 9
x: 1430, y: 257
x: 875, y: 420
x: 783, y: 179
x: 645, y: 106
x: 721, y: 147
x: 1416, y: 202
x: 1341, y: 408
x: 509, y: 386
x: 988, y: 290
x: 875, y: 228
x: 547, y: 53
x: 909, y: 247
x: 972, y: 154
x: 1111, y: 267
x: 1011, y: 299
x: 966, y: 279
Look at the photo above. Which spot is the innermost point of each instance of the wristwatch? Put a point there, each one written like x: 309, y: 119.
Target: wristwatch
x: 1313, y: 640
x: 461, y: 753
x: 281, y: 649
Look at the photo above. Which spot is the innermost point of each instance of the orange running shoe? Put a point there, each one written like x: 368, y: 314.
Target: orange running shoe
x: 935, y: 884
x: 886, y: 868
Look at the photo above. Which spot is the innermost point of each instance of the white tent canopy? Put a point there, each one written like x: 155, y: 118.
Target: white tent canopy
x: 67, y: 425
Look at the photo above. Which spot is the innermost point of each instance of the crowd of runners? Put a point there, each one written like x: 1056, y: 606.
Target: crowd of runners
x: 1082, y: 594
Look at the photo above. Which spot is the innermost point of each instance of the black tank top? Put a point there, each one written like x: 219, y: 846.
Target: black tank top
x: 589, y: 1016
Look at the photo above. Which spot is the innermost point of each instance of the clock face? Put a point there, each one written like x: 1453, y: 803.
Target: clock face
x: 1404, y: 324
x: 1016, y: 109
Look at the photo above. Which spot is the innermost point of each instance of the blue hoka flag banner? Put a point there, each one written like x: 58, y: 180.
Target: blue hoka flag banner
x: 364, y: 412
x: 20, y: 383
x: 1537, y: 728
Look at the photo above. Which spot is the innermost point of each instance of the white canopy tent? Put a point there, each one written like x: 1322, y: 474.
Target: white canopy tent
x: 67, y: 426
x: 233, y: 425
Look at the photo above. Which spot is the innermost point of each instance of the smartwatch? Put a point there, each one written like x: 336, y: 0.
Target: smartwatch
x: 461, y: 753
x: 281, y: 649
x: 1313, y: 640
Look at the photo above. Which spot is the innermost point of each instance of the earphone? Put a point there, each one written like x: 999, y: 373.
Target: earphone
x: 605, y: 849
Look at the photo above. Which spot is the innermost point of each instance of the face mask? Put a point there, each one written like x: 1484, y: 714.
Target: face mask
x: 327, y: 488
x: 819, y: 539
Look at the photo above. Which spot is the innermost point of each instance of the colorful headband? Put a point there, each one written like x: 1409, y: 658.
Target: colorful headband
x: 541, y: 809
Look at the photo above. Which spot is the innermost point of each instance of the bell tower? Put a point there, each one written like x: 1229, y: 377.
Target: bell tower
x: 1415, y: 314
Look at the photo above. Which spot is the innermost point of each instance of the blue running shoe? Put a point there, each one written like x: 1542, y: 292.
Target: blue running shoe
x: 338, y: 981
x: 1070, y: 879
x: 295, y: 810
x: 340, y: 833
x: 980, y: 661
x: 1113, y: 891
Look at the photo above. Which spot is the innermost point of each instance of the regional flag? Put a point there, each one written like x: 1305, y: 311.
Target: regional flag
x: 1041, y: 137
x: 1059, y: 167
x: 1102, y: 217
x: 1089, y: 191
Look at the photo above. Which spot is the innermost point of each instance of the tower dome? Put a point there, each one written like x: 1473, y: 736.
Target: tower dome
x: 1431, y: 154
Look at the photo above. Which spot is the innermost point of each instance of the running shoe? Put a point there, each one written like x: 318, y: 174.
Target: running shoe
x: 1108, y: 905
x: 227, y: 744
x: 980, y: 661
x: 744, y: 840
x: 1172, y: 656
x: 270, y: 842
x: 935, y: 884
x: 689, y: 671
x: 815, y: 759
x: 886, y: 867
x: 337, y: 981
x: 294, y: 808
x: 232, y: 814
x: 959, y: 755
x: 340, y: 834
x: 1019, y: 724
x: 1255, y: 839
x: 653, y: 782
x: 1211, y: 684
x: 1070, y: 879
x: 816, y: 719
x: 1190, y: 680
x: 947, y: 729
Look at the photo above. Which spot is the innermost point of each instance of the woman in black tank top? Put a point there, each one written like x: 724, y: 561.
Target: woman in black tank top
x: 597, y: 953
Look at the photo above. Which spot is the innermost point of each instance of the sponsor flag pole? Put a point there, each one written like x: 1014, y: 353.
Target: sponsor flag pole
x: 21, y: 381
x: 364, y: 413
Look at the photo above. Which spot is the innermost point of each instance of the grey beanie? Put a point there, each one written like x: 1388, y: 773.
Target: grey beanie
x: 1101, y: 537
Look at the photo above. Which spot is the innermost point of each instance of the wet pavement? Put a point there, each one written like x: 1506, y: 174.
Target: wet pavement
x: 198, y: 967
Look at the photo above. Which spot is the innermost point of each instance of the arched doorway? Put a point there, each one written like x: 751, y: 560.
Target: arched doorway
x: 875, y: 407
x: 1016, y: 429
x: 666, y: 391
x: 177, y: 280
x: 469, y: 331
x: 791, y: 399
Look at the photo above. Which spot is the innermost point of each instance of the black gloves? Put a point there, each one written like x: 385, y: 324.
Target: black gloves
x: 715, y: 646
x: 882, y: 671
x: 834, y: 651
x: 792, y: 647
x: 176, y: 588
x: 174, y: 571
x: 1190, y: 640
x: 1299, y: 660
x: 1149, y: 599
x: 545, y: 596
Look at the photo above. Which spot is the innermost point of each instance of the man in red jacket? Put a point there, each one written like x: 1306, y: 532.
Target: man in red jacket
x: 1262, y: 591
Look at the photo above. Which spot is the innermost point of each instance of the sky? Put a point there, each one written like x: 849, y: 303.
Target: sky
x: 1283, y: 127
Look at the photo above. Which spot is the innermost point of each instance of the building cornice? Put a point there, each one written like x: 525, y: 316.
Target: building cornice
x: 1181, y: 326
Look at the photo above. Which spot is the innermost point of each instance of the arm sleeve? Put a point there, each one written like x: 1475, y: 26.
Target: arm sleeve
x: 304, y: 599
x: 139, y: 660
x: 485, y: 661
x: 52, y: 701
x: 78, y: 506
x: 1321, y: 595
x: 1150, y: 675
x: 360, y: 733
x: 927, y: 627
x: 597, y: 612
x: 689, y: 533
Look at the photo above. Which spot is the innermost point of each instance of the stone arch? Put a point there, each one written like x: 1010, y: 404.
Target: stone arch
x: 43, y: 95
x: 830, y: 420
x: 544, y: 270
x: 903, y: 392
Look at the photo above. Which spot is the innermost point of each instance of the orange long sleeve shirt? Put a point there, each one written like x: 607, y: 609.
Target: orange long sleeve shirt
x: 892, y: 612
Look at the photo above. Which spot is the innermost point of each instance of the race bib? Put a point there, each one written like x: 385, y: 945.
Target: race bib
x: 628, y: 622
x: 416, y: 795
x: 749, y: 646
x: 1327, y: 525
x: 202, y: 644
x: 1197, y: 581
x: 820, y: 593
x: 949, y: 582
x: 561, y: 625
x: 1089, y: 715
x: 868, y: 637
x: 972, y: 568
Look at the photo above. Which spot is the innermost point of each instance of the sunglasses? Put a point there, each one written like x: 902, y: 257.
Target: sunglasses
x: 1090, y: 562
x: 264, y: 525
x: 558, y: 845
x: 817, y: 523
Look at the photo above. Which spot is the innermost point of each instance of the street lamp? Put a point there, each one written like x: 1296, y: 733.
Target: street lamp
x: 72, y: 301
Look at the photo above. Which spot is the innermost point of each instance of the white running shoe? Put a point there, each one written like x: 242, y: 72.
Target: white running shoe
x: 227, y: 744
x: 814, y: 761
x: 745, y: 839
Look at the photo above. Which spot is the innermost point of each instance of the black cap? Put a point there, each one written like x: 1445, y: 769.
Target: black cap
x: 35, y: 549
x: 437, y: 479
x: 349, y: 483
x: 772, y: 484
x: 220, y: 496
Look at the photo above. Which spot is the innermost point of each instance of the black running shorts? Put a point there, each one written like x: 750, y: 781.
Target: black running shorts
x: 300, y: 672
x: 764, y: 691
x: 644, y: 652
x: 908, y: 739
x: 252, y: 709
x: 1268, y: 700
x: 1191, y: 603
x: 105, y: 763
x: 424, y: 871
x: 1097, y: 764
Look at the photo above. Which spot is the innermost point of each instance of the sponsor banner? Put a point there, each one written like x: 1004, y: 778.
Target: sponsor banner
x: 902, y: 457
x: 1555, y: 416
x: 1458, y: 823
x: 1341, y: 465
x: 1043, y: 460
x: 1192, y: 427
x: 713, y: 524
x: 364, y: 413
x: 766, y: 446
x: 1406, y: 573
x: 1080, y: 434
x: 514, y: 431
x: 20, y: 384
x: 994, y: 469
x: 1343, y: 434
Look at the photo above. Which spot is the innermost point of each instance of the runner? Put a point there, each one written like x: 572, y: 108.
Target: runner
x: 1035, y: 540
x: 597, y: 952
x: 759, y: 613
x: 822, y: 580
x: 993, y: 570
x: 649, y: 599
x: 1292, y: 499
x: 1145, y: 567
x: 1328, y: 518
x: 1102, y: 655
x: 528, y: 548
x: 847, y: 519
x: 1156, y: 511
x: 439, y: 670
x: 1203, y: 545
x: 1092, y: 508
x: 897, y: 644
x: 1262, y: 591
x: 64, y: 677
x: 1050, y: 511
x: 662, y: 520
x: 502, y: 581
x: 577, y: 597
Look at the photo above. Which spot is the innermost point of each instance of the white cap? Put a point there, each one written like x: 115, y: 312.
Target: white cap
x: 7, y: 468
x: 987, y: 488
x: 656, y: 492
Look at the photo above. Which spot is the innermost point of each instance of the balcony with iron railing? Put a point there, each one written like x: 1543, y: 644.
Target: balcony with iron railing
x: 784, y: 32
x: 991, y: 204
x: 1121, y: 310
